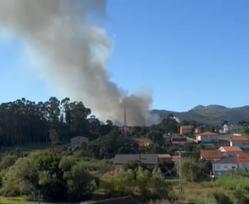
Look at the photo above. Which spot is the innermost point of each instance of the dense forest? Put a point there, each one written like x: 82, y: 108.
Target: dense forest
x: 24, y: 121
x: 55, y: 122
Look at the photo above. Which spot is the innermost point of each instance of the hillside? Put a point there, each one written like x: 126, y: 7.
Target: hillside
x: 212, y: 114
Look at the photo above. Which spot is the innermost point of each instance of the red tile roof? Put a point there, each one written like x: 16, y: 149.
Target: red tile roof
x: 243, y: 158
x: 211, y: 154
x: 208, y: 134
x: 229, y: 149
x: 240, y: 139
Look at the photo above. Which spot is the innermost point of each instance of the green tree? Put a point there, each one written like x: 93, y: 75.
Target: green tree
x: 159, y: 189
x: 156, y: 137
x: 80, y: 183
x: 142, y: 181
x: 20, y: 179
x: 7, y: 161
x: 189, y: 169
x: 54, y: 137
x: 137, y: 183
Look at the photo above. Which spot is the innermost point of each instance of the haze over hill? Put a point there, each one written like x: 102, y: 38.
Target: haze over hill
x: 212, y: 114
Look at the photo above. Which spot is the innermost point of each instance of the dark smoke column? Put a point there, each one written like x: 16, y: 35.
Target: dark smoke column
x: 71, y: 53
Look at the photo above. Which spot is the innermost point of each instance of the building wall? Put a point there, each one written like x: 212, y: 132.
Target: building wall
x: 225, y: 167
x: 244, y: 166
x: 209, y: 139
x: 212, y: 139
x: 219, y: 168
x: 239, y: 144
x: 185, y: 130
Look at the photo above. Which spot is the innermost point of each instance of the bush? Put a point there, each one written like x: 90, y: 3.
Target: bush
x: 139, y: 183
x: 214, y: 198
x: 7, y: 161
x: 55, y: 177
x: 189, y: 169
x: 133, y: 165
x: 221, y: 198
x: 193, y: 170
x: 20, y: 179
x: 206, y: 200
x: 159, y: 202
x: 237, y: 183
x: 80, y: 184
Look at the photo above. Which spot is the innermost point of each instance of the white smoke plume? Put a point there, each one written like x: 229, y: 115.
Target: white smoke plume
x: 74, y: 52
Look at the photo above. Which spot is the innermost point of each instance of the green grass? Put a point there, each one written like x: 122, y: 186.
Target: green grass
x: 15, y: 200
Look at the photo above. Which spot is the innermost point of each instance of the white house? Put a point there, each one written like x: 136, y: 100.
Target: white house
x: 212, y: 137
x: 207, y: 137
x: 225, y: 164
x: 230, y: 163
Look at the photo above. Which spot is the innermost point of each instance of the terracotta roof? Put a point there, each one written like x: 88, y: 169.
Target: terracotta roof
x: 239, y: 139
x: 211, y: 154
x: 229, y: 149
x: 243, y: 158
x: 208, y: 134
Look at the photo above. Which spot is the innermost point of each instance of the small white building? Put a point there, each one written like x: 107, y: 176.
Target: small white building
x: 224, y: 165
x: 207, y: 137
x: 212, y: 137
x: 228, y: 163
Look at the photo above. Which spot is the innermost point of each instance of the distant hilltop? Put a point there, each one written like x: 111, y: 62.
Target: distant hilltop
x: 212, y: 114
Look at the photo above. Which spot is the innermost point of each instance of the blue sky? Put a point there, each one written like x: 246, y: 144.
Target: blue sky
x: 187, y: 52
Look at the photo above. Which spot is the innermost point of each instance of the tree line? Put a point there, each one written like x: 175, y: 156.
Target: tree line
x: 24, y: 122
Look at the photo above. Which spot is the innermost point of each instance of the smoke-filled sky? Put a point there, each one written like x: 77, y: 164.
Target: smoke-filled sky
x: 70, y: 51
x: 187, y: 52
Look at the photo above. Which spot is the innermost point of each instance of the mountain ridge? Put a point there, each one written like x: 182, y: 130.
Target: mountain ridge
x: 211, y: 114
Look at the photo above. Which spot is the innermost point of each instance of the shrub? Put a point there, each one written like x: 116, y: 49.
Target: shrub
x: 55, y: 177
x: 20, y: 179
x: 7, y: 161
x: 189, y: 169
x: 206, y: 200
x: 80, y: 184
x: 139, y: 183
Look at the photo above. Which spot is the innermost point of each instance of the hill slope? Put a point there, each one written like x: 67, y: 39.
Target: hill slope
x: 212, y: 114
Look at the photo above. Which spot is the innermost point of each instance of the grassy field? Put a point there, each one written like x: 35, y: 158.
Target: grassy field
x: 194, y: 191
x: 16, y: 200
